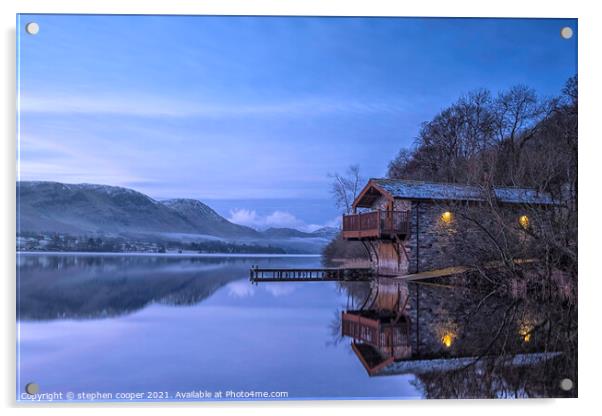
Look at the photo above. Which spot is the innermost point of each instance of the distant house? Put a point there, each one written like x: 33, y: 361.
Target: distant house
x: 405, y: 225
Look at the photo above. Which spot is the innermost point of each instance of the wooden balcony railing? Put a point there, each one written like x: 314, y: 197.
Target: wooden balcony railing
x: 376, y: 224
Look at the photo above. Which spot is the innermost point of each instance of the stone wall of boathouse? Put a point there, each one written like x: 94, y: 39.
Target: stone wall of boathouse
x: 430, y: 244
x: 435, y: 228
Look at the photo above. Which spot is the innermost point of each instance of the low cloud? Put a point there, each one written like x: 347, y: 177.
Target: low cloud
x: 279, y: 290
x: 277, y: 219
x: 240, y: 289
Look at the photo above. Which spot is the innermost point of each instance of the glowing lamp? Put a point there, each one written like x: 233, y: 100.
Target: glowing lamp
x: 523, y: 220
x: 447, y: 217
x: 447, y: 340
x: 525, y: 332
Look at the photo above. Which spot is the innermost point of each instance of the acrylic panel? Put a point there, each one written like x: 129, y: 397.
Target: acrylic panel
x: 216, y: 208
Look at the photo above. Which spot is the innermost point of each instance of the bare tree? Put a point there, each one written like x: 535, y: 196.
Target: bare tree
x: 345, y: 188
x: 449, y: 144
x: 517, y: 111
x: 401, y: 166
x: 519, y: 116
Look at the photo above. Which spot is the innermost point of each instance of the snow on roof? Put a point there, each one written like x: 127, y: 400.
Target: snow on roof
x: 407, y: 189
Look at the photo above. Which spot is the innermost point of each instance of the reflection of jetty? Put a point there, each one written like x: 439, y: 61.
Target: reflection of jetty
x: 336, y: 274
x: 328, y: 274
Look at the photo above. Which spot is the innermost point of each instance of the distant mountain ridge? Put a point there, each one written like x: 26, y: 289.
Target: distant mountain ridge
x: 88, y: 208
x: 294, y: 233
x: 206, y: 220
x: 53, y: 207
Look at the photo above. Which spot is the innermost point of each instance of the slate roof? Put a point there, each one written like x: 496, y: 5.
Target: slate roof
x: 419, y: 190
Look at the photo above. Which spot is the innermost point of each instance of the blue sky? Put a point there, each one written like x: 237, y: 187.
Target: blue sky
x: 251, y: 114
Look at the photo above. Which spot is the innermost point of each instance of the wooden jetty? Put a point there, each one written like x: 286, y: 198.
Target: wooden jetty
x: 335, y: 274
x: 327, y: 274
x: 362, y: 274
x: 456, y: 270
x: 431, y: 274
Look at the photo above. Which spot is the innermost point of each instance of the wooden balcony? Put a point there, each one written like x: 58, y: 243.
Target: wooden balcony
x: 376, y: 225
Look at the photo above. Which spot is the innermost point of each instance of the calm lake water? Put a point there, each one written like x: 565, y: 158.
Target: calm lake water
x: 128, y: 324
x: 173, y: 325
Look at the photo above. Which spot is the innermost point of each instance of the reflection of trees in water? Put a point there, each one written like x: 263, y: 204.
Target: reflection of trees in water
x: 58, y: 296
x: 83, y: 287
x: 492, y: 378
x: 33, y: 262
x: 486, y: 328
x: 356, y: 292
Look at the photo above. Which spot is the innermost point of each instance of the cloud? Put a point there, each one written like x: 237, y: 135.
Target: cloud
x: 144, y: 105
x: 279, y: 290
x: 240, y: 289
x: 334, y: 223
x: 64, y: 161
x: 283, y: 219
x: 277, y: 219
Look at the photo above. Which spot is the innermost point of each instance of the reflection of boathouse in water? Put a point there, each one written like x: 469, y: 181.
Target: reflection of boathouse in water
x: 381, y: 327
x: 407, y: 226
x: 401, y: 330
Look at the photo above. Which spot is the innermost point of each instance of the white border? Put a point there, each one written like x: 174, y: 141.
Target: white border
x: 590, y: 153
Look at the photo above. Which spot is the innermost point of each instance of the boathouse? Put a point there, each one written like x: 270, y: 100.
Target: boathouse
x: 407, y: 226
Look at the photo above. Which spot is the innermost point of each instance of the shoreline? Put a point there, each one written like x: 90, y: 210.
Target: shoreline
x: 142, y: 254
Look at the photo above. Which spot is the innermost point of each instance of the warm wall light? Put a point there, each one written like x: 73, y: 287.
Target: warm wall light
x: 523, y: 220
x: 447, y: 217
x: 525, y: 332
x: 525, y: 328
x: 447, y: 340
